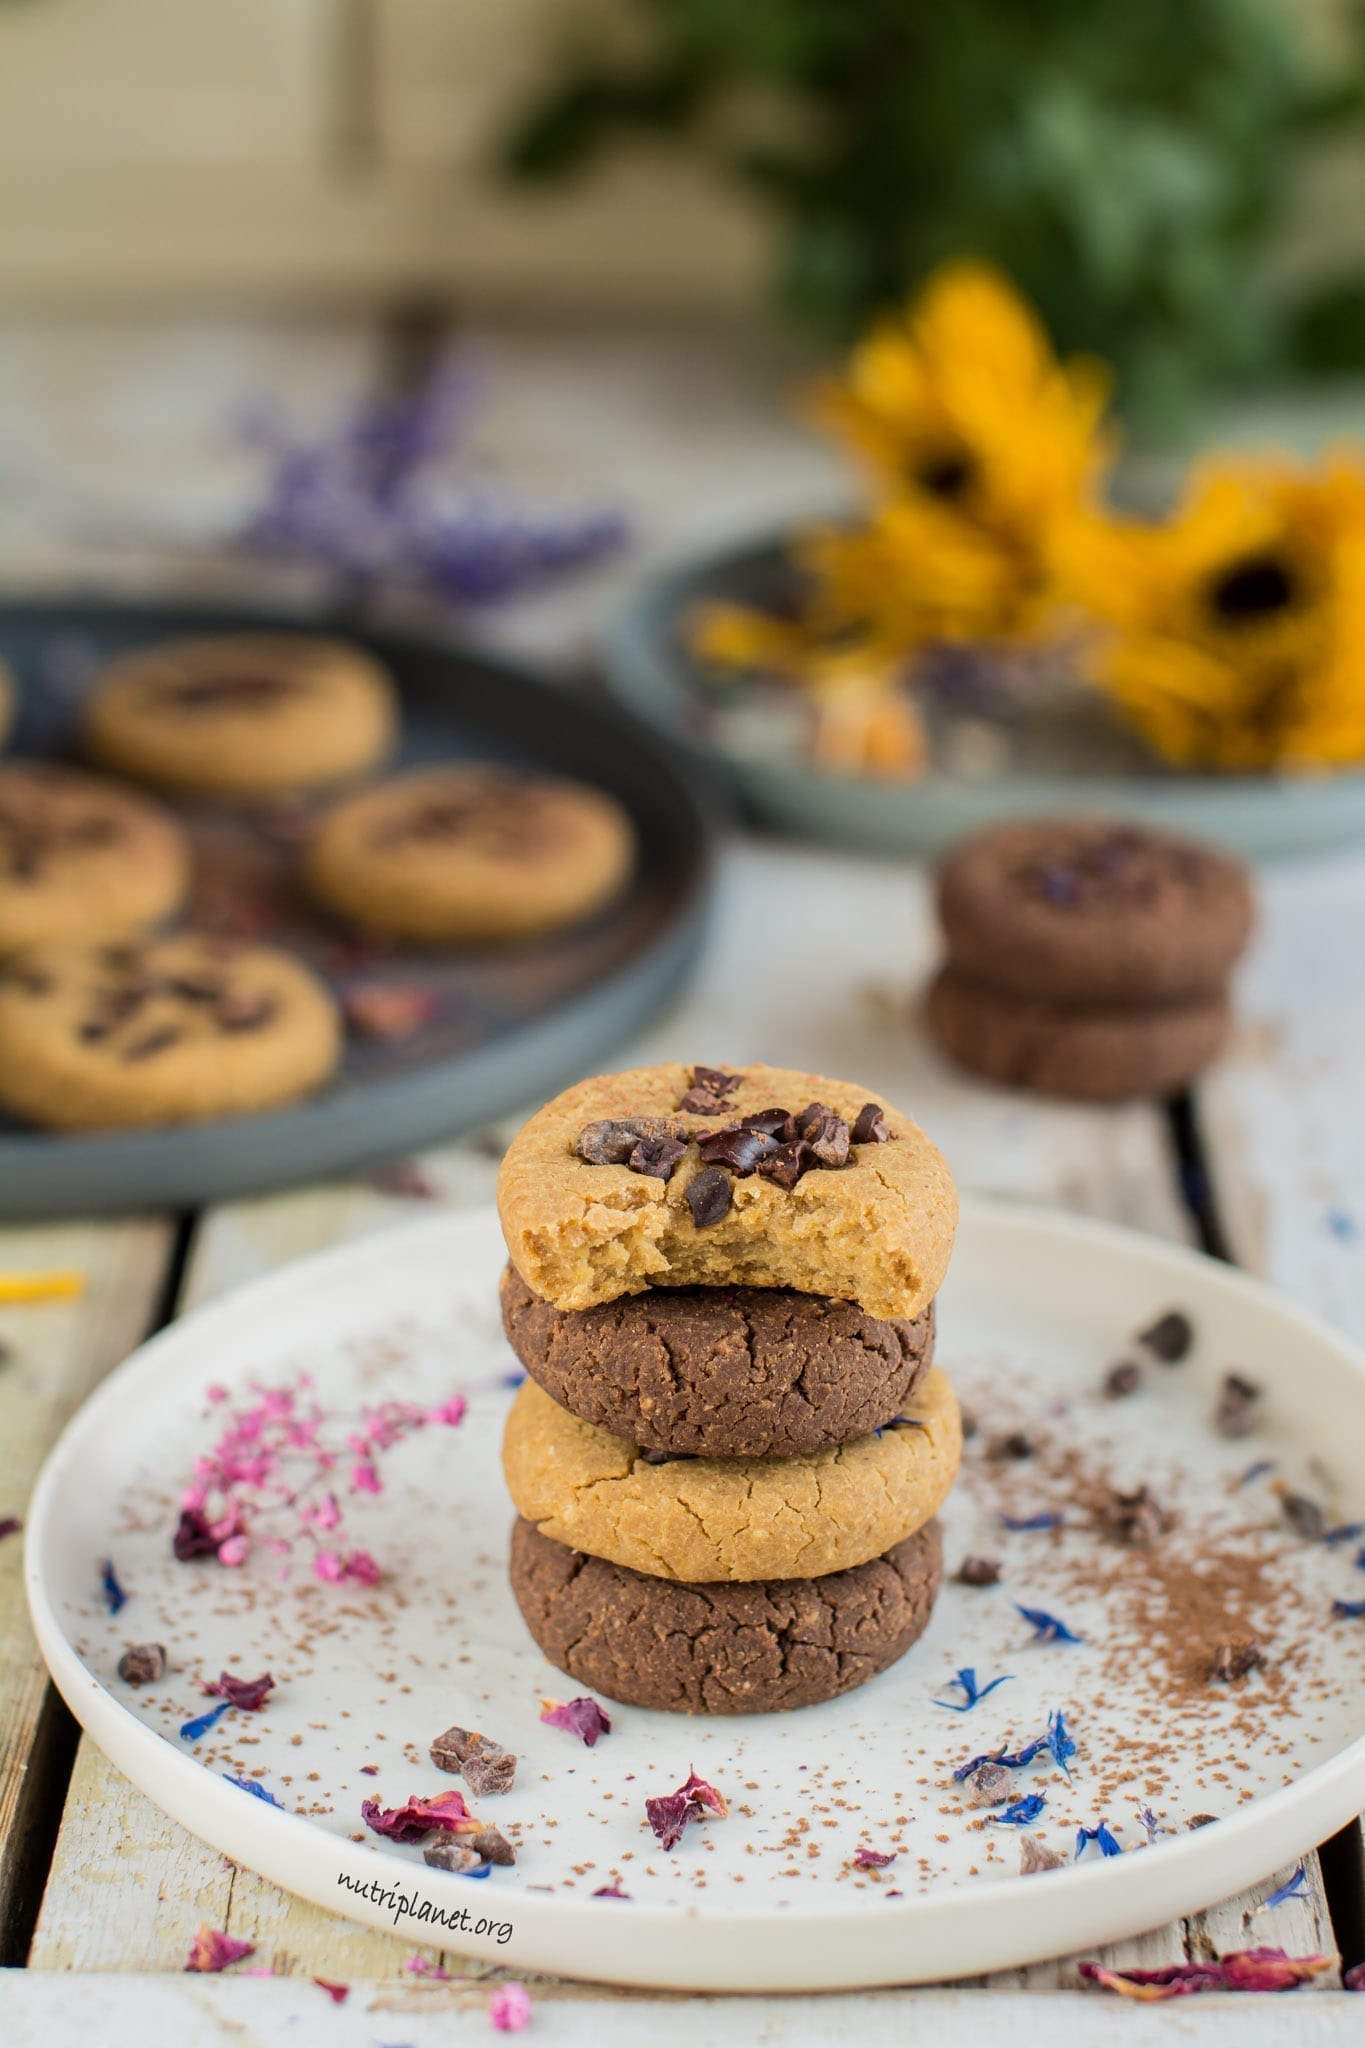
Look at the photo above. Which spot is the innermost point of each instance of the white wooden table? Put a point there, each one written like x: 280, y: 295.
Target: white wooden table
x: 100, y: 1895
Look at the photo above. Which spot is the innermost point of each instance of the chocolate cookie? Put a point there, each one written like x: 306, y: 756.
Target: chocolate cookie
x: 161, y: 1031
x: 750, y: 1649
x: 701, y: 1519
x: 677, y: 1176
x: 1094, y: 912
x: 721, y: 1372
x: 81, y: 858
x: 1079, y: 1054
x: 242, y: 714
x: 467, y: 854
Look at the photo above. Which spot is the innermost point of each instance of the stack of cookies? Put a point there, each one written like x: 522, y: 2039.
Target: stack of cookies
x: 732, y: 1444
x: 1087, y: 958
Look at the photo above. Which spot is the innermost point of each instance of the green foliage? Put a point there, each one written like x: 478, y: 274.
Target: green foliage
x: 1121, y: 159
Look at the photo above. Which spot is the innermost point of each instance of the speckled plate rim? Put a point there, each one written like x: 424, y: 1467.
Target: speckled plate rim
x: 1263, y: 816
x: 50, y: 1174
x: 991, y: 1925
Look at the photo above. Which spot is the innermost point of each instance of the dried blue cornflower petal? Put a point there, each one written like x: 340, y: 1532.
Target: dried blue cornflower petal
x: 966, y: 1678
x: 114, y: 1595
x: 192, y: 1730
x: 1349, y: 1610
x: 1059, y: 1741
x: 1046, y: 1627
x: 1257, y: 1471
x: 1344, y: 1532
x: 1047, y: 1519
x: 254, y: 1787
x: 1293, y: 1888
x: 1101, y: 1837
x: 1151, y: 1823
x: 1022, y: 1812
x: 1017, y: 1762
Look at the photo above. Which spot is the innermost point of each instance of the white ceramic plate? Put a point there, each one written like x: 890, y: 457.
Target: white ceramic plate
x: 1037, y: 1306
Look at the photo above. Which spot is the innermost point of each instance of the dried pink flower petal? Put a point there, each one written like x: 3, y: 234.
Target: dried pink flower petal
x: 873, y: 1859
x: 242, y: 1692
x: 211, y: 1950
x: 1248, y: 1969
x: 509, y: 2009
x: 422, y: 1966
x: 338, y: 1993
x: 388, y: 1010
x: 416, y: 1818
x: 669, y: 1813
x: 582, y: 1717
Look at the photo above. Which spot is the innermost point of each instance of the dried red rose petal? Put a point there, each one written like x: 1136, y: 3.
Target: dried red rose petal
x: 582, y: 1717
x: 416, y: 1818
x: 338, y: 1993
x: 388, y: 1010
x: 241, y: 1692
x: 873, y: 1859
x: 211, y: 1950
x: 193, y: 1537
x: 669, y: 1813
x: 1248, y: 1969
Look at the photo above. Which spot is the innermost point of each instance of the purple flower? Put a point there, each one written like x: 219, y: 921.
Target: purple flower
x: 966, y: 1679
x: 1046, y: 1627
x: 582, y: 1717
x: 114, y: 1595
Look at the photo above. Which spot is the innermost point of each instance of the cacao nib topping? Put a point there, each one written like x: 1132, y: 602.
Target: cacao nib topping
x: 1234, y: 1660
x: 825, y: 1133
x: 611, y: 1141
x: 147, y: 1047
x: 486, y: 1766
x: 708, y: 1196
x: 710, y: 1091
x: 788, y: 1163
x: 657, y: 1157
x: 143, y: 1664
x: 738, y: 1149
x: 240, y: 1011
x: 1170, y: 1337
x: 492, y: 1845
x: 1238, y: 1400
x: 227, y: 692
x: 664, y: 1457
x: 191, y: 990
x: 871, y: 1127
x: 32, y: 835
x: 774, y: 1123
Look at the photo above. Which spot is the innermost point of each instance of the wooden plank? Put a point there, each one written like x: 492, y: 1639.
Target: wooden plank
x: 52, y: 1355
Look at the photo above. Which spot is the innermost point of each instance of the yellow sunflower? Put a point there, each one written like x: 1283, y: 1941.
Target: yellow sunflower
x: 1237, y: 628
x: 982, y: 443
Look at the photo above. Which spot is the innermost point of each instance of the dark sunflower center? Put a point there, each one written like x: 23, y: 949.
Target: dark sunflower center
x: 946, y: 475
x: 1254, y: 588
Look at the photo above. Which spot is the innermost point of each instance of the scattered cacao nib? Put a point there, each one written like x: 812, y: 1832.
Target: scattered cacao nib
x: 990, y: 1785
x: 709, y: 1197
x: 611, y: 1141
x: 193, y: 1537
x: 1122, y: 1379
x: 486, y: 1765
x: 871, y: 1127
x: 1235, y: 1414
x: 1169, y: 1337
x: 151, y: 1043
x: 1201, y: 1820
x: 774, y: 1123
x: 1015, y: 1446
x: 445, y: 1854
x: 787, y: 1164
x: 493, y: 1846
x: 970, y: 1426
x: 1035, y: 1855
x: 979, y: 1571
x: 1136, y: 1519
x: 388, y: 1010
x: 825, y: 1133
x: 658, y: 1157
x: 143, y: 1664
x: 239, y: 1011
x: 1234, y: 1660
x: 736, y: 1148
x: 709, y: 1092
x: 190, y: 990
x: 1304, y: 1516
x: 664, y: 1457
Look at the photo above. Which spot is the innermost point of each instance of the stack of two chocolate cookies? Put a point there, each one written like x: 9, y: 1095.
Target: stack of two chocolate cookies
x: 733, y: 1442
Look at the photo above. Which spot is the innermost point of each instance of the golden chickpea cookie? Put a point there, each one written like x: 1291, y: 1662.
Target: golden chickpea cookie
x: 81, y: 858
x: 470, y: 854
x: 242, y: 714
x: 677, y: 1176
x: 700, y: 1520
x: 160, y: 1031
x: 8, y: 701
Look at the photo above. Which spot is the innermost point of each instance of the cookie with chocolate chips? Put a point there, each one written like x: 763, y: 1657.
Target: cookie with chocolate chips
x: 82, y: 858
x: 721, y: 1372
x: 723, y: 1649
x: 788, y: 1180
x: 470, y: 854
x: 160, y: 1031
x: 242, y: 714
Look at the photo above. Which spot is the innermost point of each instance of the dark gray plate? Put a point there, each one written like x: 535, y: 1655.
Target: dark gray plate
x: 1071, y: 759
x: 509, y: 1025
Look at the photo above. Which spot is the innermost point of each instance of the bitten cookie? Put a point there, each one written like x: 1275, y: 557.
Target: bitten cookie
x: 676, y: 1176
x: 1094, y: 912
x: 721, y: 1372
x: 469, y: 854
x: 241, y: 715
x: 166, y: 1031
x: 702, y: 1519
x: 81, y: 858
x: 1076, y: 1053
x: 719, y: 1649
